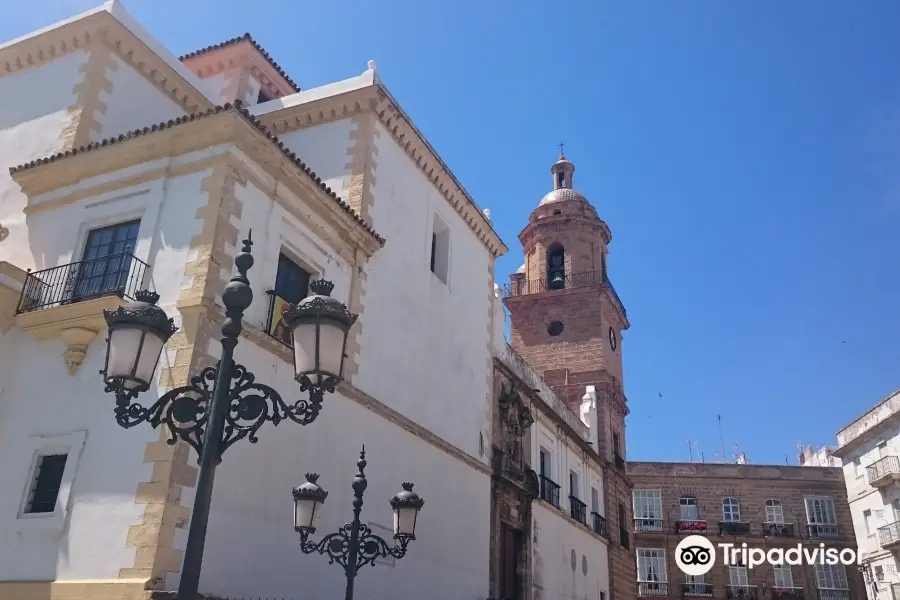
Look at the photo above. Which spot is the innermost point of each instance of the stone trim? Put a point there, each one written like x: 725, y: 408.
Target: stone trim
x: 279, y: 73
x: 210, y: 251
x: 55, y: 43
x: 237, y: 84
x: 88, y: 107
x: 79, y: 589
x: 377, y: 99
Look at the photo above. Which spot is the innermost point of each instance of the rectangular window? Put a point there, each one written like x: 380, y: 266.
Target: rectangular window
x: 858, y: 469
x: 105, y: 262
x: 623, y: 531
x: 651, y: 565
x: 784, y: 578
x: 820, y: 510
x: 737, y: 576
x: 731, y: 510
x: 867, y: 522
x: 545, y: 463
x: 689, y: 510
x: 879, y: 573
x: 440, y: 249
x: 647, y: 504
x: 573, y: 485
x: 595, y: 500
x: 831, y: 577
x: 882, y: 449
x: 774, y: 511
x: 46, y: 483
x: 291, y: 286
x: 616, y: 444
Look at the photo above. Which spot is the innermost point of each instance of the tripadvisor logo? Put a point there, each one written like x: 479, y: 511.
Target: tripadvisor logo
x: 695, y: 555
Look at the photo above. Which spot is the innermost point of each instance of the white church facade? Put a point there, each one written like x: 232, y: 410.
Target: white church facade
x: 119, y: 153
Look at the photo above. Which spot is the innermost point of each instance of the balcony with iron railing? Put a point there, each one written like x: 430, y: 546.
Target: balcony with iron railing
x: 528, y: 287
x: 889, y: 535
x: 577, y: 510
x: 734, y: 528
x: 741, y: 592
x: 648, y: 525
x: 598, y: 524
x: 883, y: 472
x: 771, y: 529
x: 66, y: 302
x: 620, y: 462
x: 694, y: 589
x: 829, y: 594
x: 823, y: 530
x: 788, y: 593
x: 690, y: 526
x: 655, y: 589
x: 549, y: 491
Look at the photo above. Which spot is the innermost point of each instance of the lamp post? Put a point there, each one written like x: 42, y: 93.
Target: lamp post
x: 223, y: 403
x: 354, y: 545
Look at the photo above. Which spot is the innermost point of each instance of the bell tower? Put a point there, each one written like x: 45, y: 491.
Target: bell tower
x: 566, y: 321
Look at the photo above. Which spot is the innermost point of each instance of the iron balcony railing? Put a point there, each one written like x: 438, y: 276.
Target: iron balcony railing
x: 822, y: 530
x: 741, y: 592
x: 120, y: 275
x: 734, y: 528
x: 888, y: 465
x: 692, y: 589
x: 889, y: 534
x: 788, y: 593
x: 598, y: 524
x: 648, y: 525
x: 653, y: 588
x: 549, y: 491
x: 770, y: 529
x: 620, y: 462
x: 578, y: 509
x: 834, y: 594
x: 690, y: 526
x: 527, y: 287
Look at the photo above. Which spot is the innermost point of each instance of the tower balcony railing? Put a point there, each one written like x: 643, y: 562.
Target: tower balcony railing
x: 884, y: 471
x: 527, y: 287
x: 119, y: 275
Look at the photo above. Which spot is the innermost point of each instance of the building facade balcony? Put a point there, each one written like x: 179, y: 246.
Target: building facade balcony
x: 778, y: 529
x: 889, y: 535
x: 577, y: 510
x: 549, y: 491
x: 827, y: 594
x: 824, y: 531
x: 741, y: 592
x: 654, y: 589
x: 527, y: 287
x: 66, y: 302
x: 788, y: 593
x: 690, y: 526
x: 693, y: 589
x: 734, y: 528
x: 884, y: 471
x: 620, y: 462
x: 598, y: 524
x: 648, y: 525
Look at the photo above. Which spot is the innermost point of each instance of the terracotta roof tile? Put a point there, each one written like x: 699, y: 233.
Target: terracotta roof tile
x: 236, y: 107
x: 248, y: 38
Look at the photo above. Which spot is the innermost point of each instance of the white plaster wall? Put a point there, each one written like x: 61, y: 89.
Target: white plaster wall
x: 39, y: 397
x: 438, y: 334
x: 133, y: 103
x: 554, y: 540
x: 324, y: 149
x: 218, y: 83
x: 33, y: 115
x: 252, y: 550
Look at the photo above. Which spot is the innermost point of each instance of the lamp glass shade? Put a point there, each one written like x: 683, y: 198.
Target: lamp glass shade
x: 319, y: 348
x: 133, y: 355
x: 405, y: 520
x: 306, y: 513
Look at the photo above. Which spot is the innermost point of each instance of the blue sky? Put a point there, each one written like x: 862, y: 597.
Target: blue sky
x: 745, y: 155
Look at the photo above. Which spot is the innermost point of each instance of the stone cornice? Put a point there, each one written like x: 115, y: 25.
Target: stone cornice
x: 243, y: 53
x: 277, y: 74
x: 375, y: 98
x: 190, y: 134
x: 102, y: 27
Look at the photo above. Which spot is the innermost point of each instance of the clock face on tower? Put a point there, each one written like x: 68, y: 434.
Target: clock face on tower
x: 612, y: 339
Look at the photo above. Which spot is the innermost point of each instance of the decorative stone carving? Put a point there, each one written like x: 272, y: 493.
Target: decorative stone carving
x: 515, y: 419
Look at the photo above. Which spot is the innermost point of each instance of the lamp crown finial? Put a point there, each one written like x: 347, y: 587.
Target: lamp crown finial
x: 146, y: 296
x: 407, y: 486
x: 312, y: 477
x: 321, y: 287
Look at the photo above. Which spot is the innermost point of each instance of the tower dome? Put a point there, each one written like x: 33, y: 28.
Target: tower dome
x: 563, y: 172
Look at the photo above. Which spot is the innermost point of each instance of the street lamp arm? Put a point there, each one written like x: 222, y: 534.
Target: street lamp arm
x: 337, y: 547
x: 184, y: 412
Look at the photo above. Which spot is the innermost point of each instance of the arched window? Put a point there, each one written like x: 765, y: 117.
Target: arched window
x: 774, y: 511
x: 556, y: 267
x: 731, y: 510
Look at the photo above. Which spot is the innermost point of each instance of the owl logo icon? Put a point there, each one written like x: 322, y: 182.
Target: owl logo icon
x: 695, y: 555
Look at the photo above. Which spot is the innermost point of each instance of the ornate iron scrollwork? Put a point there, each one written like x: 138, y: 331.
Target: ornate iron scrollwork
x: 336, y: 546
x: 184, y: 410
